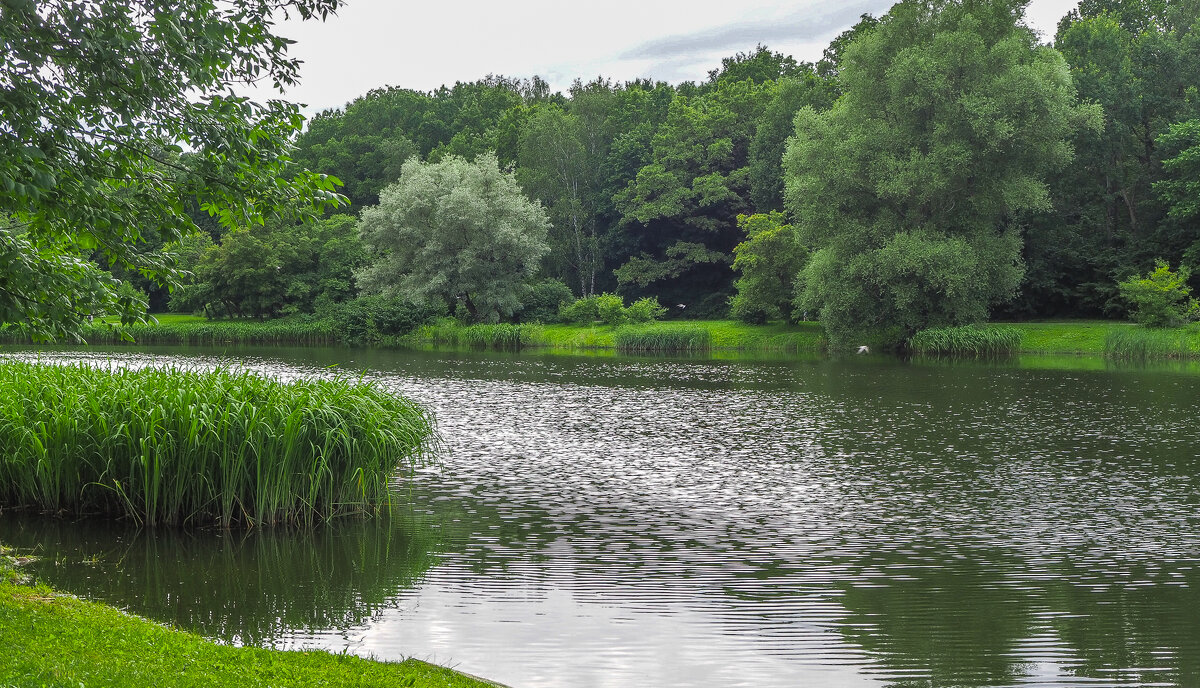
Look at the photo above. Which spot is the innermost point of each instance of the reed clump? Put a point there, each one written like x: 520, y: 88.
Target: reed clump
x: 501, y: 336
x: 1142, y: 343
x: 186, y: 447
x: 969, y: 340
x: 663, y: 338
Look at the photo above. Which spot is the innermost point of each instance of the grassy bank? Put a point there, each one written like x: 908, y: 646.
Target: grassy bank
x: 1102, y: 338
x: 652, y: 336
x: 189, y: 447
x: 57, y: 640
x: 196, y: 330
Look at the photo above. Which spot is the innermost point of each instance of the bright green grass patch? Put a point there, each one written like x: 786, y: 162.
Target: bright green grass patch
x: 969, y: 340
x: 721, y: 334
x: 168, y: 318
x: 667, y: 338
x: 1065, y: 337
x: 55, y: 640
x: 189, y: 447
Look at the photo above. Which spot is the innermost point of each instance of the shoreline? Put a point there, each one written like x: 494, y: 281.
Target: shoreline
x: 1058, y: 337
x: 55, y: 638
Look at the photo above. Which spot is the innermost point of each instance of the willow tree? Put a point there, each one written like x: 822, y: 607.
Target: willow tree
x: 913, y: 187
x: 454, y: 232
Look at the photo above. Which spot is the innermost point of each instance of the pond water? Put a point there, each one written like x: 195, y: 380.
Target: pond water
x: 773, y: 522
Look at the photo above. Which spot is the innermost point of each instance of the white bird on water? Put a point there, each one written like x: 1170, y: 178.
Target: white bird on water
x: 863, y: 349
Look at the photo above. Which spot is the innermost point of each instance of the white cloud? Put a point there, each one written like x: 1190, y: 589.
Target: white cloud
x: 374, y: 43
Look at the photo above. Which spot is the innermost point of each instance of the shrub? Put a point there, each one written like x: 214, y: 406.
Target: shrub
x: 645, y: 310
x: 368, y: 319
x: 1162, y: 298
x: 581, y: 312
x: 610, y: 309
x: 543, y: 301
x: 768, y: 262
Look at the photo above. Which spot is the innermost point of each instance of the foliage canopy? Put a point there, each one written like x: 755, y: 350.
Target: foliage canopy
x: 1161, y: 298
x: 455, y: 231
x: 912, y: 187
x: 99, y: 100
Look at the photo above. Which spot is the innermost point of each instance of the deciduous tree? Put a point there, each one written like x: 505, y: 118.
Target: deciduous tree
x: 97, y: 99
x: 912, y: 188
x: 455, y: 231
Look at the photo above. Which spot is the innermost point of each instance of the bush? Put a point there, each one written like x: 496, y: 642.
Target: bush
x: 645, y: 310
x: 610, y: 309
x: 581, y: 312
x: 1162, y: 298
x: 368, y: 319
x: 768, y: 262
x: 543, y: 302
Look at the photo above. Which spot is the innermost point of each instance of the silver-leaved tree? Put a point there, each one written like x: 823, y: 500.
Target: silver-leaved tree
x: 455, y: 232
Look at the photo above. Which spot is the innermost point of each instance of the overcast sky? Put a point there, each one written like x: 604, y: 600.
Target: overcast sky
x: 422, y: 45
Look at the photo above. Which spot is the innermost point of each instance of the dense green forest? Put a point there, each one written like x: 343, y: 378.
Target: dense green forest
x: 938, y: 166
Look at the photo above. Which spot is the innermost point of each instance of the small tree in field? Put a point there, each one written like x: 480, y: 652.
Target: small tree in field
x: 455, y: 231
x: 1162, y: 298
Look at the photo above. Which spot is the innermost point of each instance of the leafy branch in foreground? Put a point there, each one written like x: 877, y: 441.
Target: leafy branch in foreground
x: 99, y: 101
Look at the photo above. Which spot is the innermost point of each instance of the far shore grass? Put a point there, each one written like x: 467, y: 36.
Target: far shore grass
x: 53, y: 639
x: 1071, y: 337
x: 716, y: 335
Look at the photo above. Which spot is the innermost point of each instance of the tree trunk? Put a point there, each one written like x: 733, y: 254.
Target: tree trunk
x: 471, y: 307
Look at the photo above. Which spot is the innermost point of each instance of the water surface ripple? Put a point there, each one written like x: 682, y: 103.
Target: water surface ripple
x: 629, y: 522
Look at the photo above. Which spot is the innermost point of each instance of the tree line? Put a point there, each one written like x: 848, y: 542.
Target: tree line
x: 938, y: 166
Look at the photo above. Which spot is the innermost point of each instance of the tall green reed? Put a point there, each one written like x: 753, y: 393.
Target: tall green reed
x: 504, y: 336
x: 1148, y: 343
x: 173, y: 446
x: 664, y: 338
x: 968, y: 340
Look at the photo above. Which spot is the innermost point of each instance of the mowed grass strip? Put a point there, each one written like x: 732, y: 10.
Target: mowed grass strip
x: 56, y: 640
x: 184, y: 447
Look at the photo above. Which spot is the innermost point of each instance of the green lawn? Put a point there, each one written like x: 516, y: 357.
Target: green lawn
x: 50, y: 639
x: 1081, y: 337
x: 724, y: 335
x: 1066, y: 336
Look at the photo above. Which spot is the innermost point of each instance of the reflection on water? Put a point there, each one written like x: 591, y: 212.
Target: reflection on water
x: 616, y: 521
x: 251, y: 588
